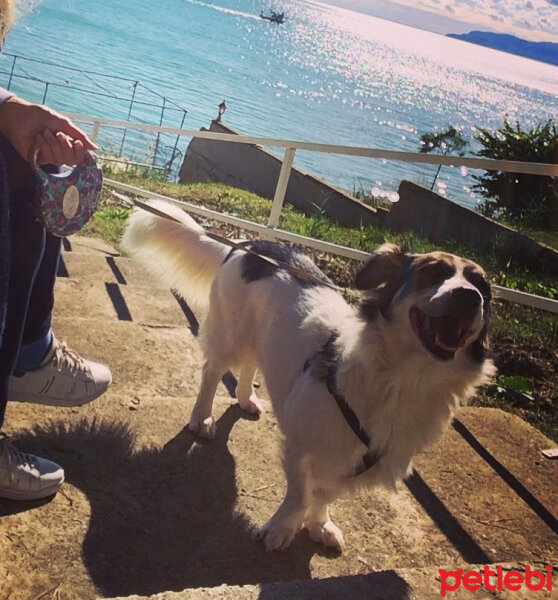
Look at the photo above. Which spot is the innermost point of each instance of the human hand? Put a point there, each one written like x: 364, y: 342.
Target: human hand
x: 28, y: 126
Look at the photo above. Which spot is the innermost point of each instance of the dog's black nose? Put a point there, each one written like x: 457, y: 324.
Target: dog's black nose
x: 465, y: 300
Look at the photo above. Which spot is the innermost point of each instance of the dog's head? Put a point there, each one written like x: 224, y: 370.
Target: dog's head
x: 445, y: 298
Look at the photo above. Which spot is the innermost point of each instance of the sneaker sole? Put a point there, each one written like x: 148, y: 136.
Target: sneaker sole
x: 49, y: 401
x: 28, y: 496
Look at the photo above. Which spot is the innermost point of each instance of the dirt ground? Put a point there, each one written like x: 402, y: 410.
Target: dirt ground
x: 148, y: 508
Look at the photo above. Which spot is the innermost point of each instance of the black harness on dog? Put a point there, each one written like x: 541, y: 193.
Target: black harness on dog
x: 328, y: 358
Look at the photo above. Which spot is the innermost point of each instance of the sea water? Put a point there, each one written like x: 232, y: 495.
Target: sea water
x: 326, y: 75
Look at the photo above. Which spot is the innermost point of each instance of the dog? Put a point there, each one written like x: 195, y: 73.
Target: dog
x: 357, y: 390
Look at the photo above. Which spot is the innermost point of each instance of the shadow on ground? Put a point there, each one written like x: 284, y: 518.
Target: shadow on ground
x: 163, y: 518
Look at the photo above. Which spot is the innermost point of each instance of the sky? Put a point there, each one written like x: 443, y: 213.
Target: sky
x: 535, y: 20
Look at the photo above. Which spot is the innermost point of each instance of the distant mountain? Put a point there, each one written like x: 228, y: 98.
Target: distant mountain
x: 544, y: 51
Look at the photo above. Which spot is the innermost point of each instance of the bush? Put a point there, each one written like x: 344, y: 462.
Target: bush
x: 531, y: 200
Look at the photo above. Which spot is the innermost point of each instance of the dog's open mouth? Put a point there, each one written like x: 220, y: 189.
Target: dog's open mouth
x: 441, y: 336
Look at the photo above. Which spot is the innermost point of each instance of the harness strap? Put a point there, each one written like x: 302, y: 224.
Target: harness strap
x: 329, y: 356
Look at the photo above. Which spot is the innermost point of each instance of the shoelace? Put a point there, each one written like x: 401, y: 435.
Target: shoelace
x: 64, y: 356
x: 16, y: 458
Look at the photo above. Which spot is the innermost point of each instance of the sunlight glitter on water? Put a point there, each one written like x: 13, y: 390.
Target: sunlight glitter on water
x: 451, y: 52
x: 327, y: 75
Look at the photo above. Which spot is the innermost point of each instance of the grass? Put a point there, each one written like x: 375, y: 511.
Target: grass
x: 543, y: 236
x: 525, y: 340
x: 108, y: 223
x: 243, y: 204
x: 525, y: 343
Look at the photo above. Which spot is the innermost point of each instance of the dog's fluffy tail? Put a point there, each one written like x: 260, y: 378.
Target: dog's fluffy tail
x: 179, y: 254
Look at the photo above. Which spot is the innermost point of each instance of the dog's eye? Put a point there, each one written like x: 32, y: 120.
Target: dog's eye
x: 478, y: 280
x: 432, y: 273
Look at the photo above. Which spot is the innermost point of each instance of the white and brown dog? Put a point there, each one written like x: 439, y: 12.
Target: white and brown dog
x: 356, y: 391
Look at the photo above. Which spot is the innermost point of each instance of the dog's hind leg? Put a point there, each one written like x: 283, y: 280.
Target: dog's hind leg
x: 319, y: 525
x: 247, y: 398
x: 201, y: 421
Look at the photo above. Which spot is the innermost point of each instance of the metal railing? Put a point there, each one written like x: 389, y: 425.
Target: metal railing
x: 271, y: 230
x: 130, y: 97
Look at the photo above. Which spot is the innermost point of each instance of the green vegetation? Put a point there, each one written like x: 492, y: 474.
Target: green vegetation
x: 108, y: 223
x: 526, y: 200
x: 109, y: 220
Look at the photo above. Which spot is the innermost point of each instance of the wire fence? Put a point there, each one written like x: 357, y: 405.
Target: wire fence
x: 130, y: 100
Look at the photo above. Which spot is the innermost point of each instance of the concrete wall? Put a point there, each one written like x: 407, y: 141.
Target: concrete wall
x: 252, y: 168
x: 438, y: 219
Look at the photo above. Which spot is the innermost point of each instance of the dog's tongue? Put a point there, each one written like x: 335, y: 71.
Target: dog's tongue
x: 448, y: 332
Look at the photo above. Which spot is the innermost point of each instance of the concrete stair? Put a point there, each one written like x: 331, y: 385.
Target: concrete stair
x: 149, y: 511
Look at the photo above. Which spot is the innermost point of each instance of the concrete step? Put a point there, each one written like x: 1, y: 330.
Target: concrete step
x: 78, y: 298
x: 397, y: 584
x: 86, y: 258
x: 93, y: 283
x: 150, y: 511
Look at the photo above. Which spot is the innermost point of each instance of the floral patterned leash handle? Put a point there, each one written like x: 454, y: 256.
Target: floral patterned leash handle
x: 65, y: 202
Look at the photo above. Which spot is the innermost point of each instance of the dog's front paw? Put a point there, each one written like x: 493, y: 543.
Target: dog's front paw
x: 276, y: 538
x: 327, y: 534
x: 205, y: 428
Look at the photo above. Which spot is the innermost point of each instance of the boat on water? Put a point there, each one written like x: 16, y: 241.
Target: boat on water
x: 274, y: 17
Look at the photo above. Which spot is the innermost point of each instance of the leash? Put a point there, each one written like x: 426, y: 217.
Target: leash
x: 243, y: 246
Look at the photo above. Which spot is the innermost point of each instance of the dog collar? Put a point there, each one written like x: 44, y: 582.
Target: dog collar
x: 328, y: 356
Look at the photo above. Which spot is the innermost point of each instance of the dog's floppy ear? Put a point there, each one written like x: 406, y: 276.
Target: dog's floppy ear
x: 385, y: 265
x: 381, y: 276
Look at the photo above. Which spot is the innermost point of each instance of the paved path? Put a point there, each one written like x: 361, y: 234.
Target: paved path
x: 149, y: 511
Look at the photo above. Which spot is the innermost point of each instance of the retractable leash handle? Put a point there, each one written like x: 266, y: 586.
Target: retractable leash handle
x: 65, y: 202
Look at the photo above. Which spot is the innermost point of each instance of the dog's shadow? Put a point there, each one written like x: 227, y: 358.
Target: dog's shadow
x: 164, y: 519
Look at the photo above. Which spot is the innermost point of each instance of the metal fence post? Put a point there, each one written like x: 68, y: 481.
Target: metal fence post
x: 95, y: 131
x: 129, y: 115
x: 11, y: 73
x: 168, y: 166
x: 281, y: 188
x: 46, y: 92
x: 159, y: 133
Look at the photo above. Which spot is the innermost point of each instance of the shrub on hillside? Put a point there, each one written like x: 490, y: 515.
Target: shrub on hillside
x: 528, y: 199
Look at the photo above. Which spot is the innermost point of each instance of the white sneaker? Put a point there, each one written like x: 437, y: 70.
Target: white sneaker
x: 64, y: 379
x: 25, y: 476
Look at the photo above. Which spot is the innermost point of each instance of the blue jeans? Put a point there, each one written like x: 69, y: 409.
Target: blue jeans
x: 33, y: 266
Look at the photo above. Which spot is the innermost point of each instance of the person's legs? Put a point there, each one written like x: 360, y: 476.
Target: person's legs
x: 37, y: 334
x: 21, y: 281
x: 27, y: 240
x: 47, y: 371
x: 22, y: 476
